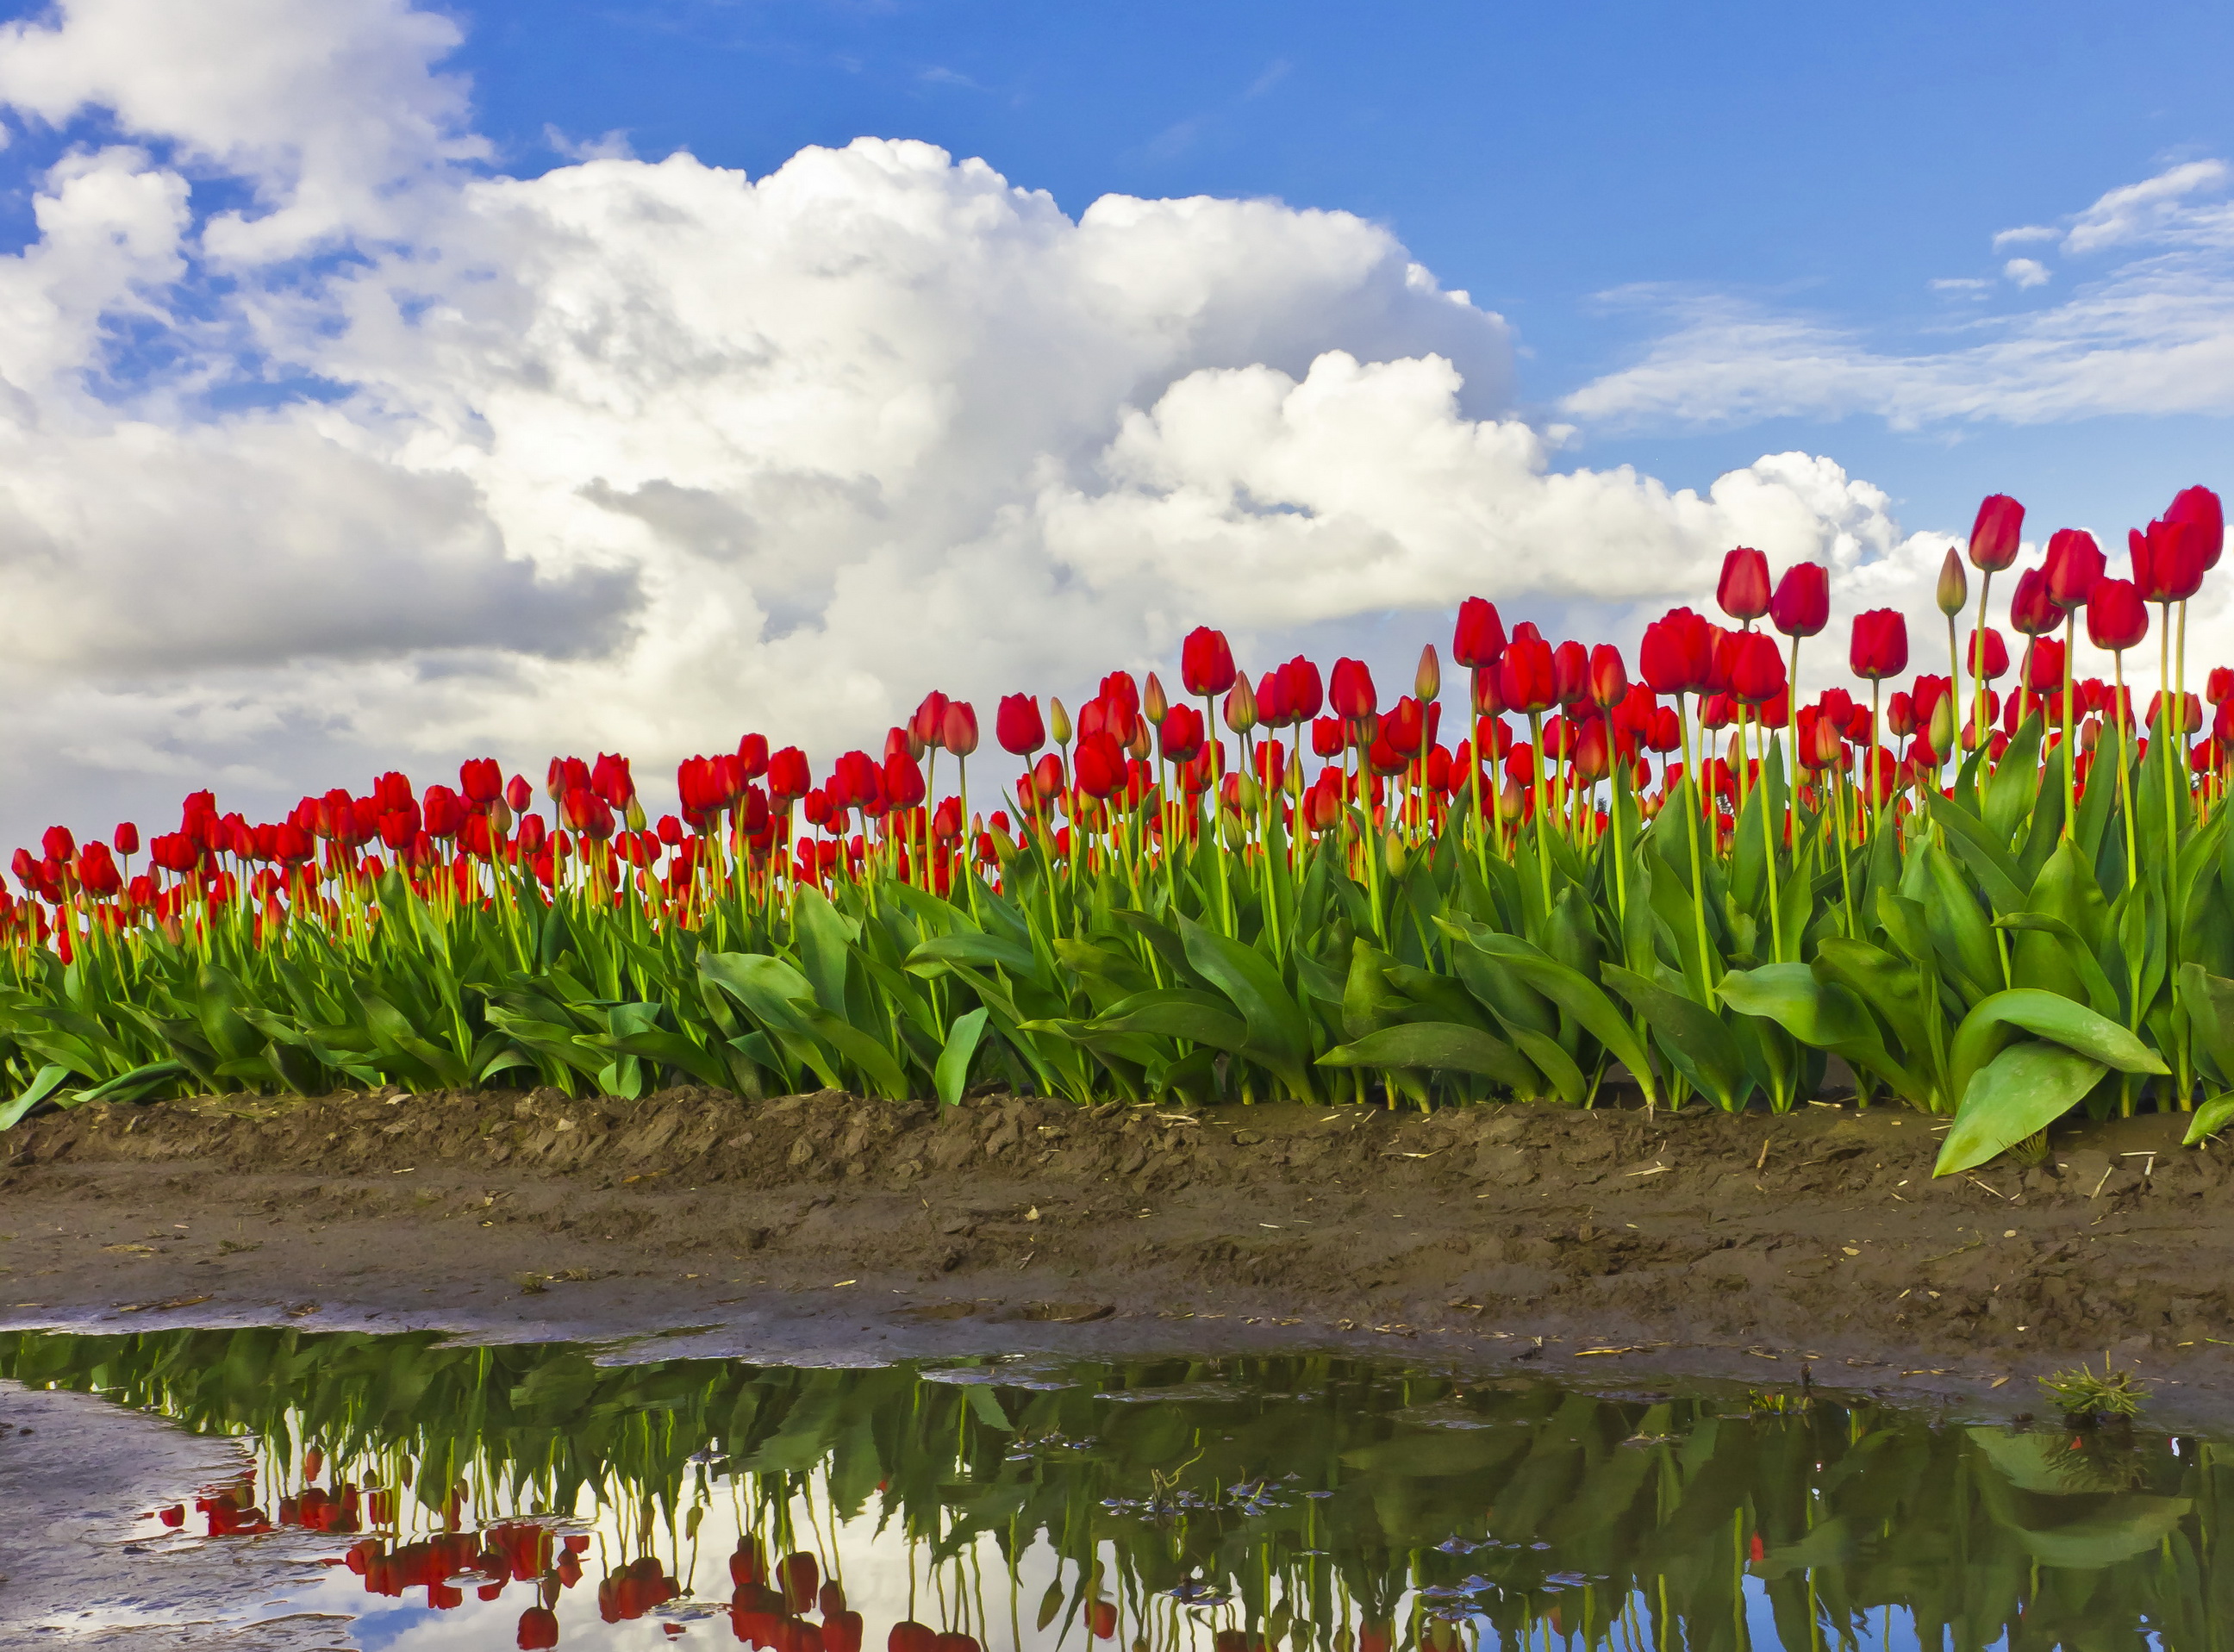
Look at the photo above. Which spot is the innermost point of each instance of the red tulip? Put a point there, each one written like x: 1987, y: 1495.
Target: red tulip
x: 1900, y: 716
x: 1017, y: 725
x: 2044, y: 665
x: 1206, y: 662
x: 958, y: 732
x: 1743, y: 589
x: 1048, y: 780
x: 96, y: 872
x: 1405, y: 727
x: 481, y: 781
x: 2074, y: 563
x: 57, y: 843
x: 2198, y: 508
x: 1480, y: 634
x: 1677, y: 653
x: 442, y: 813
x: 1181, y: 737
x: 2168, y: 561
x: 1997, y: 534
x: 1100, y: 764
x: 1527, y: 675
x: 788, y: 776
x: 1570, y: 674
x: 1351, y: 694
x: 1879, y: 648
x: 2217, y: 688
x: 910, y: 1637
x: 901, y: 781
x: 611, y: 780
x: 1329, y: 740
x: 1756, y: 669
x: 518, y: 794
x: 1608, y: 677
x: 1271, y: 705
x: 1301, y: 691
x: 1997, y: 648
x: 538, y: 1629
x: 2032, y: 611
x: 127, y: 839
x: 2117, y: 616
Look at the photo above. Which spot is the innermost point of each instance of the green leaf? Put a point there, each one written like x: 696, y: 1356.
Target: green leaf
x: 2210, y: 1118
x: 2020, y: 1091
x: 1444, y: 1046
x: 1692, y: 1036
x: 825, y: 937
x: 1821, y: 1013
x: 882, y: 1068
x: 1573, y: 993
x: 1279, y: 1032
x: 951, y: 1076
x: 1176, y: 1012
x: 2044, y: 1015
x: 47, y: 1081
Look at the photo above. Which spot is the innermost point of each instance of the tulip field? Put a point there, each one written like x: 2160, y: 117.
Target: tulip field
x: 1975, y: 877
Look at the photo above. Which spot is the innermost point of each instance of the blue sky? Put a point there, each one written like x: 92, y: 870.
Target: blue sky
x: 1574, y: 167
x: 384, y: 382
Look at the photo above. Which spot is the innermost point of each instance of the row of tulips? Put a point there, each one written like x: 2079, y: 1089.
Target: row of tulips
x: 1992, y: 893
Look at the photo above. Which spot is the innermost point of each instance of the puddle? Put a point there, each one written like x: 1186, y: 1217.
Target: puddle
x: 428, y: 1494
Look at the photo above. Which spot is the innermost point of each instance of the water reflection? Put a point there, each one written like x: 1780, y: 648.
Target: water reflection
x: 533, y: 1496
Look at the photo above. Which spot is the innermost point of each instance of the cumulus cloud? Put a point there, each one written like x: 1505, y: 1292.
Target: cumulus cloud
x: 2148, y: 329
x: 409, y: 458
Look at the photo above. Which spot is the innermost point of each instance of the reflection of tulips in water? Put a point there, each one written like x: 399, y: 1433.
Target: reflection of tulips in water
x: 1247, y: 1505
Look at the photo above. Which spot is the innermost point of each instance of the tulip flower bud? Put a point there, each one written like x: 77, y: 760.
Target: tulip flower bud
x: 1058, y: 722
x: 1511, y: 802
x: 1241, y: 706
x: 1428, y: 681
x: 1941, y: 731
x: 1392, y: 849
x: 1230, y: 832
x: 1253, y: 796
x: 1153, y: 704
x: 1954, y: 583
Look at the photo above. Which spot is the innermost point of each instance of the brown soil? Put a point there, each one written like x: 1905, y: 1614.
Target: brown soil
x: 826, y: 1227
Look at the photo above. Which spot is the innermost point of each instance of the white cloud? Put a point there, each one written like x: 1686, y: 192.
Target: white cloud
x: 2152, y: 333
x: 2025, y: 235
x: 638, y: 455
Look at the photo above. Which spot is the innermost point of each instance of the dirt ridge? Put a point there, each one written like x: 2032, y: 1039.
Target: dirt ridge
x: 1822, y: 1232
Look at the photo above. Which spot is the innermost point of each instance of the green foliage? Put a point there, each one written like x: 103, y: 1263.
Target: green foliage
x: 1965, y: 956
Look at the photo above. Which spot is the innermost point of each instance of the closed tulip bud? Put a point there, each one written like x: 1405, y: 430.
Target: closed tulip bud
x: 1251, y: 795
x: 1393, y: 852
x: 1989, y: 654
x: 1428, y: 681
x: 127, y: 836
x: 519, y: 793
x: 1743, y: 589
x: 1058, y: 722
x: 1996, y: 535
x: 1152, y: 702
x: 1512, y: 801
x: 1954, y: 592
x: 1941, y: 732
x: 1241, y: 706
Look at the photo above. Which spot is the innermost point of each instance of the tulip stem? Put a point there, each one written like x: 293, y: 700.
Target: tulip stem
x: 1691, y: 826
x: 1978, y: 718
x: 1543, y: 847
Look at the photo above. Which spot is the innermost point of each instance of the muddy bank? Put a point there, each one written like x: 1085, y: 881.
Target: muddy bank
x: 827, y: 1227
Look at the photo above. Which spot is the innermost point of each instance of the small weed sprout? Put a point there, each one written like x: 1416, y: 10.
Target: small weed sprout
x: 2084, y: 1392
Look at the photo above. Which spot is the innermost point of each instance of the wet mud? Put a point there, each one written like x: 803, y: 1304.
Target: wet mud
x: 826, y: 1227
